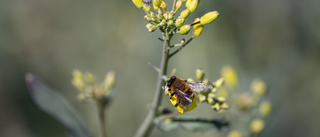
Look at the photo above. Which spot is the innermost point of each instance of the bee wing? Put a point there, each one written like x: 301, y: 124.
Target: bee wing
x: 184, y: 99
x: 199, y: 86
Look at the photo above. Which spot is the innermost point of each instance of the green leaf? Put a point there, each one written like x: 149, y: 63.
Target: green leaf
x: 190, y: 123
x: 54, y: 104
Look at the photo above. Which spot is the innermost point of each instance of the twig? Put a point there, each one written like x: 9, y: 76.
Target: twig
x: 184, y: 44
x: 102, y: 119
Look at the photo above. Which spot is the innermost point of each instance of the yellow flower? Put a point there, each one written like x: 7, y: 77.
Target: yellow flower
x: 209, y: 17
x: 138, y: 3
x: 200, y: 74
x: 182, y: 109
x: 256, y: 126
x: 230, y: 76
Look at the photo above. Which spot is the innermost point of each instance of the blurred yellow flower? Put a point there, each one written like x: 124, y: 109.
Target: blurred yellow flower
x: 265, y: 108
x: 234, y: 133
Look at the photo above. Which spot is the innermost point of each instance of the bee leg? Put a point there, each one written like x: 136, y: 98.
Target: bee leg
x: 178, y: 102
x: 171, y: 95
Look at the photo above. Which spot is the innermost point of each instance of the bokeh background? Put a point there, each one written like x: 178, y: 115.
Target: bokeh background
x: 276, y: 40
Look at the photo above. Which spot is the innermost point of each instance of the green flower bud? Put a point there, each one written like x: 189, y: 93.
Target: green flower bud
x: 185, y: 29
x: 179, y: 22
x: 200, y: 74
x: 258, y: 87
x: 224, y: 106
x: 219, y: 82
x: 163, y: 23
x: 138, y: 3
x: 163, y: 5
x: 170, y: 22
x: 166, y: 16
x: 192, y: 5
x: 197, y: 29
x: 185, y: 13
x: 147, y: 18
x: 170, y: 16
x: 146, y: 7
x: 110, y: 79
x: 209, y: 17
x: 216, y: 107
x: 151, y: 27
x: 156, y: 2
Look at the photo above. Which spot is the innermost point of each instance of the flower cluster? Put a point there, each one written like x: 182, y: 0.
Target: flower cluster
x: 86, y: 84
x: 244, y: 104
x: 163, y: 18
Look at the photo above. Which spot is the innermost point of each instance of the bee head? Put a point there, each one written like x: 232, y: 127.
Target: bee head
x: 170, y: 80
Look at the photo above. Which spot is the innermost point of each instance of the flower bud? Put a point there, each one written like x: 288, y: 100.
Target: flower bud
x: 170, y: 22
x: 256, y: 126
x: 179, y: 22
x: 230, y: 76
x: 200, y: 74
x: 185, y: 13
x: 138, y: 3
x: 147, y: 18
x: 197, y: 28
x: 192, y: 5
x: 163, y: 5
x: 166, y: 16
x: 151, y: 27
x: 163, y: 23
x: 219, y: 82
x: 110, y: 79
x: 209, y: 17
x: 179, y: 4
x: 170, y: 16
x: 185, y: 29
x: 156, y: 2
x: 155, y: 7
x: 234, y: 133
x: 146, y: 7
x: 258, y: 87
x: 265, y: 108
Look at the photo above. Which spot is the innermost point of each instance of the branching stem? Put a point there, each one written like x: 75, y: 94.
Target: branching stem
x: 147, y: 125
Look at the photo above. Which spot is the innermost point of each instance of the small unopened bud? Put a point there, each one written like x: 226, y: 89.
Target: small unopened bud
x: 192, y: 5
x: 184, y: 29
x: 234, y: 133
x: 216, y: 107
x: 209, y: 17
x: 200, y: 74
x: 170, y: 16
x: 197, y: 28
x: 146, y: 7
x: 185, y: 13
x: 110, y: 79
x: 224, y: 106
x: 182, y: 41
x: 179, y: 22
x: 258, y: 87
x: 170, y: 22
x: 138, y: 3
x: 151, y: 27
x: 163, y: 5
x: 256, y: 126
x: 265, y: 108
x: 166, y: 16
x: 156, y: 2
x: 219, y: 82
x: 163, y: 23
x: 147, y: 18
x: 179, y: 4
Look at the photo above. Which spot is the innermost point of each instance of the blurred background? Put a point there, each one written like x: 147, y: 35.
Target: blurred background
x: 276, y: 40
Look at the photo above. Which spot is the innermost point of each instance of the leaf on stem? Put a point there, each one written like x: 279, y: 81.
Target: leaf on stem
x: 54, y: 104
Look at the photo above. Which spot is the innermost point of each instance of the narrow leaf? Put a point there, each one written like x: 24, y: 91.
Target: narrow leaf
x: 54, y: 104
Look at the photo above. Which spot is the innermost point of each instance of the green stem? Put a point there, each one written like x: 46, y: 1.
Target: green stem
x: 147, y: 125
x: 176, y: 51
x: 102, y: 119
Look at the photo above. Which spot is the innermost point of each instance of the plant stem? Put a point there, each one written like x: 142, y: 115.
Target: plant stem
x: 147, y: 125
x: 103, y: 127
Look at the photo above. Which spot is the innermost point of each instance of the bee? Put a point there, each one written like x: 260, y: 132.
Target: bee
x: 184, y: 90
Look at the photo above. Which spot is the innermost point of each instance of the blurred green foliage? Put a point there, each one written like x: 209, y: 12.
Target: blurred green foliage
x: 277, y: 40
